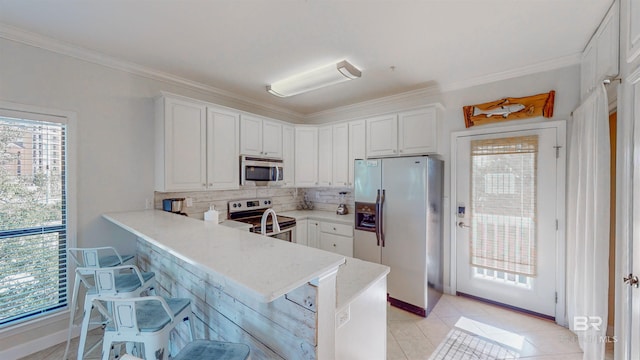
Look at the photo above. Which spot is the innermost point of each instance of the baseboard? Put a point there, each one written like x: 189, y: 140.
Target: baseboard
x: 39, y: 344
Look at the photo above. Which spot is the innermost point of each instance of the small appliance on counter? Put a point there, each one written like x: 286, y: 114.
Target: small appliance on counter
x: 174, y: 205
x: 342, y: 208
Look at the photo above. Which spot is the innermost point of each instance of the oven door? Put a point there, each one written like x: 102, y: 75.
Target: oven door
x: 288, y: 234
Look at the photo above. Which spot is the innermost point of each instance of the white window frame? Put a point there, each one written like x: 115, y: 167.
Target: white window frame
x: 15, y: 110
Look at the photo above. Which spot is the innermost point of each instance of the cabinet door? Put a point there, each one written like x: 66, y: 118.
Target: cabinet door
x: 607, y: 44
x: 325, y: 157
x: 272, y: 139
x: 223, y: 136
x: 184, y: 146
x: 357, y: 146
x: 382, y: 136
x: 313, y: 233
x: 417, y: 131
x: 250, y: 135
x: 342, y: 245
x: 288, y: 151
x: 306, y: 156
x: 301, y: 232
x: 341, y: 155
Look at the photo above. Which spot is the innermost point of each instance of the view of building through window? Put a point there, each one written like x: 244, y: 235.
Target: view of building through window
x: 32, y: 218
x: 503, y: 204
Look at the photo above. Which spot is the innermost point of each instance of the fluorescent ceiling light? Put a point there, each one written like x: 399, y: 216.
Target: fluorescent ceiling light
x: 314, y: 79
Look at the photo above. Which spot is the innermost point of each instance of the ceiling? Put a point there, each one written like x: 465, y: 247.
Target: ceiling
x: 240, y: 46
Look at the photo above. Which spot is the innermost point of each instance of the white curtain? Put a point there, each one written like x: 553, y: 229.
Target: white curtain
x: 588, y: 194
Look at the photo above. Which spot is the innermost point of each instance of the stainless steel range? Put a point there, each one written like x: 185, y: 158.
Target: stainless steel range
x: 252, y: 211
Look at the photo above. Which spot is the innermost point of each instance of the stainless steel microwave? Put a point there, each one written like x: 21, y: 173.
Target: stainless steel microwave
x: 255, y: 171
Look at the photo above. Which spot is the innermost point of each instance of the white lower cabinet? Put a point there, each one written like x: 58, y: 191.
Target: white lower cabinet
x: 337, y: 238
x: 313, y: 233
x: 301, y: 232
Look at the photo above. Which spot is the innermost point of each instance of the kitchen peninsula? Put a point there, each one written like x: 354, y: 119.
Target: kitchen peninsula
x: 279, y: 298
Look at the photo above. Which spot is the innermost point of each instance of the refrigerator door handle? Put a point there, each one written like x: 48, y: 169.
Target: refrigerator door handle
x: 381, y: 222
x: 378, y: 218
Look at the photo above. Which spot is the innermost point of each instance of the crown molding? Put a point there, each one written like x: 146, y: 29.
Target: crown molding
x: 403, y: 101
x: 548, y: 65
x: 43, y: 42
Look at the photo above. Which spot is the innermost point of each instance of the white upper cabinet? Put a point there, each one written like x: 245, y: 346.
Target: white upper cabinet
x: 306, y: 156
x: 357, y: 145
x: 631, y: 31
x: 223, y: 149
x: 272, y: 139
x: 196, y: 146
x: 260, y: 137
x: 417, y: 131
x: 600, y: 56
x: 325, y: 157
x: 288, y: 155
x: 382, y: 136
x: 407, y: 133
x: 340, y: 149
x: 181, y: 146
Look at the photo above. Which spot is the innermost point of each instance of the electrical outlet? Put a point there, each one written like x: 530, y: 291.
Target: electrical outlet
x: 147, y: 204
x: 189, y: 202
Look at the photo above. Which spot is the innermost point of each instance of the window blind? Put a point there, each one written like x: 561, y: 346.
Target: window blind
x: 503, y: 204
x: 33, y: 218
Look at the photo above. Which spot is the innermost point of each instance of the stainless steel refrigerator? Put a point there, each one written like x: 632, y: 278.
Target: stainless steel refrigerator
x: 398, y: 223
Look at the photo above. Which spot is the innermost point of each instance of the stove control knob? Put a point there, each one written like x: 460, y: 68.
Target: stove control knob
x: 235, y: 205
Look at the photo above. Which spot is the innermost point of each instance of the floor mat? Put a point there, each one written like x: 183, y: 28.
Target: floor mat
x: 461, y: 345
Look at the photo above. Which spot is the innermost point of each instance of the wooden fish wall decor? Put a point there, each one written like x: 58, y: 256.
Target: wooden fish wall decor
x: 509, y: 109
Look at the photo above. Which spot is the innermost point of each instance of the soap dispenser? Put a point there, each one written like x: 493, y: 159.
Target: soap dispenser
x: 211, y: 214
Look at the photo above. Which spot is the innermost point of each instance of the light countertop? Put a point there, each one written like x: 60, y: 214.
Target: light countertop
x: 354, y: 277
x: 266, y: 266
x: 320, y: 215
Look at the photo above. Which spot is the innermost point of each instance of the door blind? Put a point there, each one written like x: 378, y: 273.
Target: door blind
x: 503, y: 204
x: 33, y: 218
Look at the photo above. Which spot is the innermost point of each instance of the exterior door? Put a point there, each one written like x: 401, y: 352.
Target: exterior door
x: 506, y: 233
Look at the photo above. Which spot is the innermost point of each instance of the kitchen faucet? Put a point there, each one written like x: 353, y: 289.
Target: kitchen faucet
x: 263, y: 222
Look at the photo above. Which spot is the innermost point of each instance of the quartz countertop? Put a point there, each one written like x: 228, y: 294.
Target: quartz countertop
x: 236, y: 225
x: 267, y: 267
x: 320, y: 215
x: 354, y: 277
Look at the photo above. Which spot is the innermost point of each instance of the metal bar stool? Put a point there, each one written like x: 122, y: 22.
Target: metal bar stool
x: 147, y: 320
x: 208, y: 350
x: 125, y: 281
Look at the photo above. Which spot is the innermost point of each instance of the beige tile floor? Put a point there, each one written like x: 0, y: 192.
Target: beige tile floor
x: 412, y: 337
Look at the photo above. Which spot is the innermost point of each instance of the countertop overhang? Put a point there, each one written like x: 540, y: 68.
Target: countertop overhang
x: 267, y: 267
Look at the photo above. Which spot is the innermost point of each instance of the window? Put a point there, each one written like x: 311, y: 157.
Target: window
x: 503, y: 204
x: 33, y: 216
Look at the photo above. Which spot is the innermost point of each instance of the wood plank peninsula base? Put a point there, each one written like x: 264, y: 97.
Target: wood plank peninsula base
x: 277, y: 297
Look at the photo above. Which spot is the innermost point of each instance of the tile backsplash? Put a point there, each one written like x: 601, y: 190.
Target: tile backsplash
x: 284, y: 199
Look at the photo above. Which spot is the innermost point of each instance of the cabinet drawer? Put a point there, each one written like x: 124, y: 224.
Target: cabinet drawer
x: 338, y: 229
x: 342, y: 245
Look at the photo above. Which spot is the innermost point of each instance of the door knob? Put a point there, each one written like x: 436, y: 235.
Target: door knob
x: 463, y: 225
x: 632, y: 280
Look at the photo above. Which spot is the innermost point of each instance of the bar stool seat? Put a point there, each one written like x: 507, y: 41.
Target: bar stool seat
x: 151, y: 315
x: 210, y: 350
x: 114, y: 260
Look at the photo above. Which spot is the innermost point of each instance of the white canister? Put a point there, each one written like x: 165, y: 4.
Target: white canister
x: 211, y: 214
